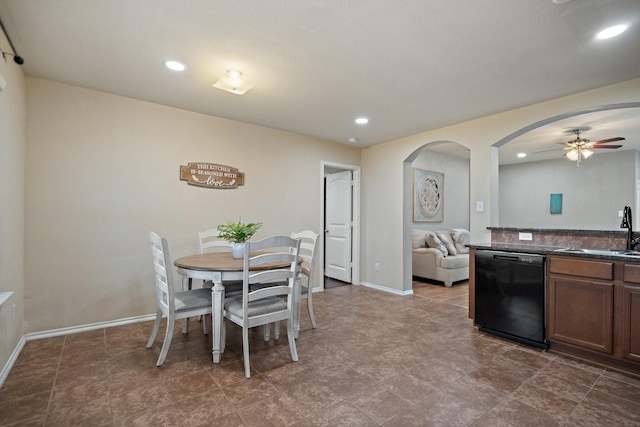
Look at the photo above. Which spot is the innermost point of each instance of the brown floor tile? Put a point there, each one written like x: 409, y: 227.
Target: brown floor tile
x: 202, y: 409
x: 555, y: 405
x: 23, y: 408
x: 443, y: 409
x: 340, y: 414
x: 512, y: 413
x: 95, y: 412
x: 379, y: 403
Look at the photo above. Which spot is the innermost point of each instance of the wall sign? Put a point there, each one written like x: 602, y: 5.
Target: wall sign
x: 211, y: 175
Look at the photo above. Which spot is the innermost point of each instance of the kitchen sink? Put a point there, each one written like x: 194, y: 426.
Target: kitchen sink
x: 604, y: 252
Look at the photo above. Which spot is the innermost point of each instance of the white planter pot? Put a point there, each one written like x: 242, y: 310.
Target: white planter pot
x: 238, y: 250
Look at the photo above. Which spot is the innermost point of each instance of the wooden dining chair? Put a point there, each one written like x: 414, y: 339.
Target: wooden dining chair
x: 308, y: 249
x: 257, y: 307
x: 209, y: 241
x: 173, y: 305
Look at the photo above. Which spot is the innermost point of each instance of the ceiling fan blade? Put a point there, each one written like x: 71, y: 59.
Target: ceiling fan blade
x: 546, y: 151
x: 602, y: 141
x: 605, y: 146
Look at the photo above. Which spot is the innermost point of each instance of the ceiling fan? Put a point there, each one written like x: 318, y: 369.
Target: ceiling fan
x: 580, y: 148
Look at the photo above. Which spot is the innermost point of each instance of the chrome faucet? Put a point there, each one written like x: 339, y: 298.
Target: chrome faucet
x: 627, y: 223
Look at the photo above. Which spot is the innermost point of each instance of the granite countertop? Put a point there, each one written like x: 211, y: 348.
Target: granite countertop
x: 516, y: 247
x: 550, y: 250
x: 559, y: 230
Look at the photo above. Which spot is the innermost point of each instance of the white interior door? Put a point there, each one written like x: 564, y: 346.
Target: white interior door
x: 338, y: 221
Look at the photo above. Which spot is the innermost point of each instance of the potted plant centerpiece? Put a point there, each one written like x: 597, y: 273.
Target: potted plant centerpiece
x: 238, y: 233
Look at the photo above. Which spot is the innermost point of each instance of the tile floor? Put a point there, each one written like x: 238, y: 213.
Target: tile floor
x: 375, y: 359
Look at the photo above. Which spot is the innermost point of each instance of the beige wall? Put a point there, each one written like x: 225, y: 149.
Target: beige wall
x: 382, y: 166
x: 12, y: 154
x: 102, y: 171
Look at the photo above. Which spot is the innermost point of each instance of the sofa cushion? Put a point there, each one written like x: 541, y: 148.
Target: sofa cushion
x: 461, y: 238
x: 445, y: 238
x: 418, y: 239
x: 458, y: 261
x: 434, y: 242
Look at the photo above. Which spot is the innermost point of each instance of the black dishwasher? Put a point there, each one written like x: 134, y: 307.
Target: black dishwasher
x: 510, y: 295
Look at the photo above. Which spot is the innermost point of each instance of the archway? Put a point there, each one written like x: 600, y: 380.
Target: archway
x: 451, y: 159
x: 583, y: 185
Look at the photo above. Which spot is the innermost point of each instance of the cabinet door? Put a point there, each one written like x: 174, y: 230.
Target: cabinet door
x: 581, y: 312
x: 631, y: 322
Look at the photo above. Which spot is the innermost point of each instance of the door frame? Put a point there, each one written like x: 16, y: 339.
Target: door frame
x: 326, y: 168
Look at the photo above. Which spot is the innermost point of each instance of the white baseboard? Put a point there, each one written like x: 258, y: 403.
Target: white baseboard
x: 90, y: 327
x: 12, y: 360
x: 65, y: 331
x: 385, y: 289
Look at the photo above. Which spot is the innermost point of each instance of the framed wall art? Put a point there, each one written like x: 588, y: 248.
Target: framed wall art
x: 428, y: 196
x: 555, y: 203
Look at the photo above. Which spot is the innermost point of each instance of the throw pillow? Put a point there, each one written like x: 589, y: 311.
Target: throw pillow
x: 445, y: 237
x: 418, y: 239
x: 434, y: 242
x: 461, y: 238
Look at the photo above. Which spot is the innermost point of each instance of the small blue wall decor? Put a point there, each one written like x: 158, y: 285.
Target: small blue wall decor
x: 555, y: 203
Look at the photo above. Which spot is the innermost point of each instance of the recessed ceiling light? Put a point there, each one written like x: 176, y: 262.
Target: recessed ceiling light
x: 353, y: 140
x: 174, y: 65
x: 521, y: 155
x: 561, y: 1
x: 610, y: 32
x: 362, y: 120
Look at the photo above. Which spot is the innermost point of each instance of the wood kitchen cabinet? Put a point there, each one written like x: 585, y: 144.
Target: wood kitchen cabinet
x: 593, y: 309
x: 631, y: 312
x: 580, y: 303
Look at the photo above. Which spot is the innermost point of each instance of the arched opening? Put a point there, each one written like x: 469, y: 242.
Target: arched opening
x: 447, y: 162
x: 592, y: 194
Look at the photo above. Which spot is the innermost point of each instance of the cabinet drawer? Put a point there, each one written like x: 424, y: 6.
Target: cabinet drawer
x: 582, y: 268
x: 631, y: 273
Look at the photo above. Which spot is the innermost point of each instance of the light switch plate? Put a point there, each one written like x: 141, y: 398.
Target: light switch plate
x: 479, y: 206
x: 525, y: 236
x: 3, y: 83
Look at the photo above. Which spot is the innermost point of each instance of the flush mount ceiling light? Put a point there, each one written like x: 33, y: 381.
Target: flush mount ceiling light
x: 174, y: 65
x: 233, y: 82
x: 610, y: 32
x: 521, y: 155
x: 362, y: 120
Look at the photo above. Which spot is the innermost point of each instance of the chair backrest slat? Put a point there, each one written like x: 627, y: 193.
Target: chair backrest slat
x: 209, y: 241
x: 308, y: 249
x: 162, y: 270
x: 277, y: 249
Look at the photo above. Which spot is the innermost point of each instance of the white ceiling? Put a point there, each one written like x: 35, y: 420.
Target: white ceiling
x: 410, y: 66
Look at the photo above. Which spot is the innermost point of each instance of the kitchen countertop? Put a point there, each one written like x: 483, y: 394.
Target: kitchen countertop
x: 559, y: 230
x: 549, y: 250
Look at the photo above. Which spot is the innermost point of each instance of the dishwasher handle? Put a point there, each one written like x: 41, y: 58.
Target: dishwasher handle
x: 515, y: 258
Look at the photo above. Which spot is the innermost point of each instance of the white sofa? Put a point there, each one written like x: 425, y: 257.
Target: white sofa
x: 436, y: 258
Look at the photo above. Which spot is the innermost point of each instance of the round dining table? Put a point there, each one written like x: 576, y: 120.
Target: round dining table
x: 220, y: 267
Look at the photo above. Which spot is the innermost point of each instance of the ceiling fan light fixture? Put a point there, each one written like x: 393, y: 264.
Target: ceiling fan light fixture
x: 232, y: 81
x: 572, y: 154
x: 586, y: 153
